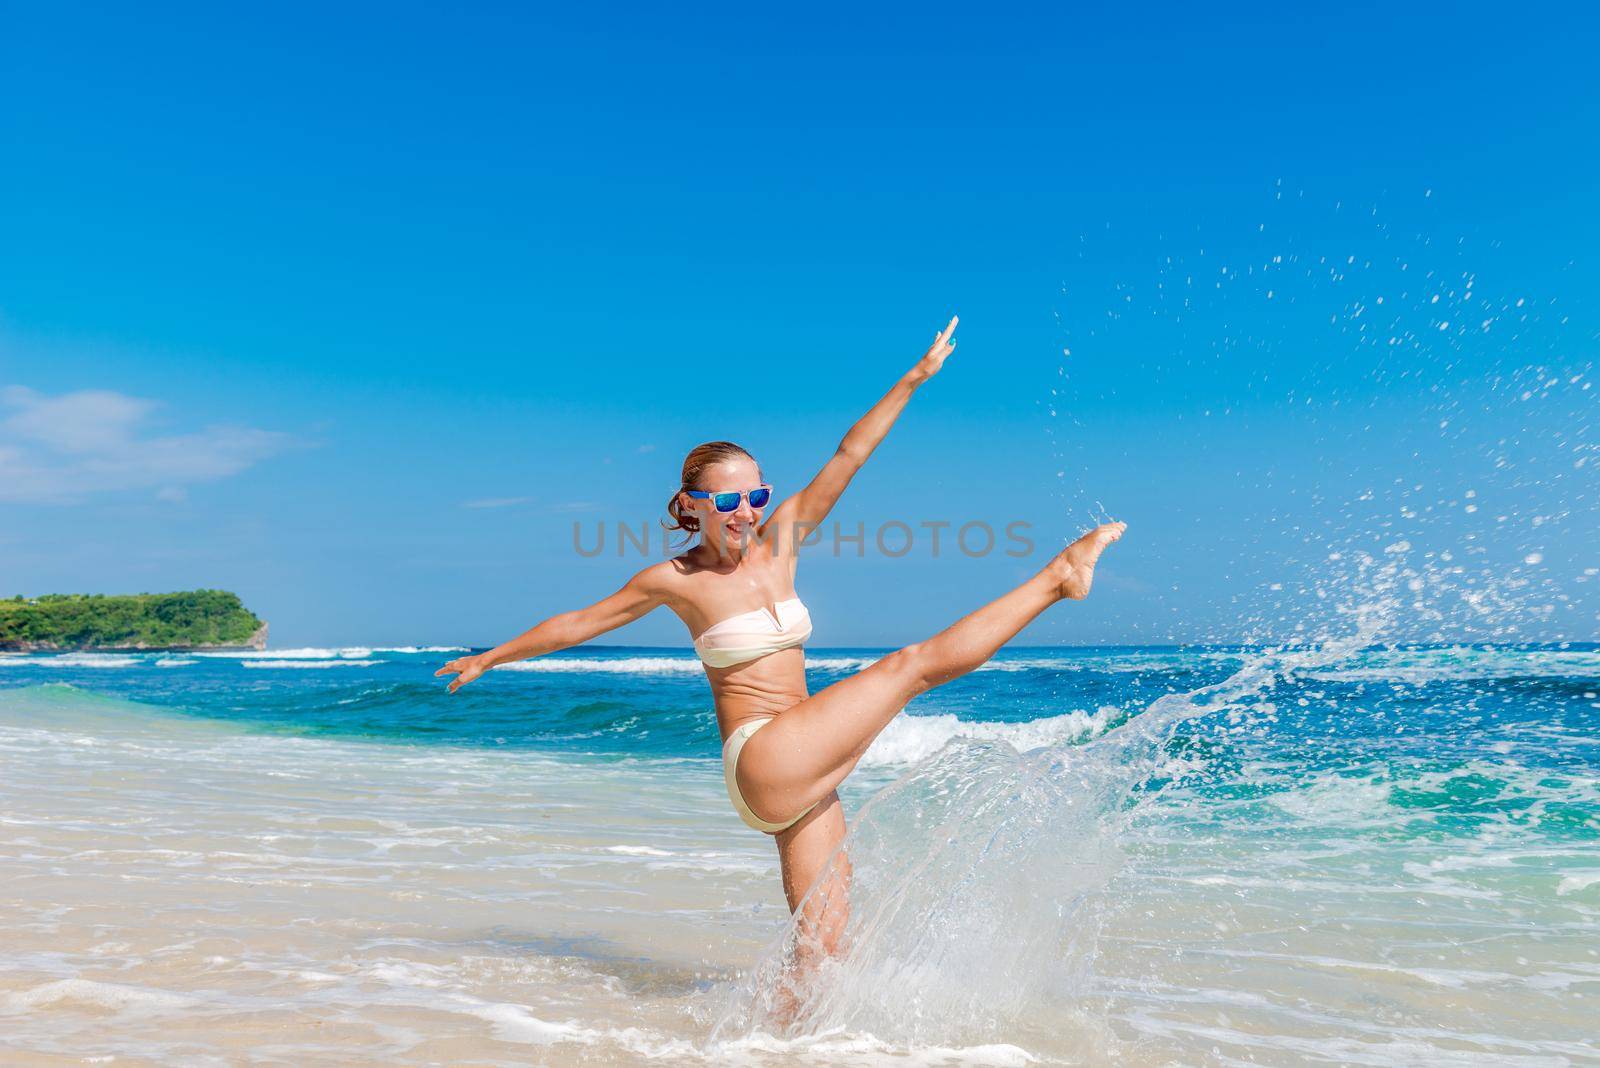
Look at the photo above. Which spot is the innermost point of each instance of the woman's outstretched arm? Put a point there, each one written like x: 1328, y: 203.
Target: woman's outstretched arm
x: 812, y: 504
x: 638, y: 596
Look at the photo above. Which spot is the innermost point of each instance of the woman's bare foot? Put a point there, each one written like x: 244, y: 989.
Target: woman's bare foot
x: 1074, y: 566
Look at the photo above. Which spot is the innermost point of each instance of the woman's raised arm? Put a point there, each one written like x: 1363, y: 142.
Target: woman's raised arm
x: 638, y: 596
x: 812, y: 504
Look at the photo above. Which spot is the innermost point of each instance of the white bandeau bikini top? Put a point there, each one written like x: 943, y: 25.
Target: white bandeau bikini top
x: 755, y: 633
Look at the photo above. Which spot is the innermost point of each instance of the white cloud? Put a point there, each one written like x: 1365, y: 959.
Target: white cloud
x: 92, y: 420
x: 62, y: 449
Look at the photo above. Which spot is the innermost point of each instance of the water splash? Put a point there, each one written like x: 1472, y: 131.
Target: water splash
x: 978, y: 882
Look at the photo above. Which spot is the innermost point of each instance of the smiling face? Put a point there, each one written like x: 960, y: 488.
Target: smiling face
x: 738, y: 474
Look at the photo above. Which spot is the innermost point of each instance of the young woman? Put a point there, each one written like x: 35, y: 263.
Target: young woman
x: 785, y: 750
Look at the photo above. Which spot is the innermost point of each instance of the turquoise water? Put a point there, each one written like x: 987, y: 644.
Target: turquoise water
x: 1218, y: 855
x: 621, y: 701
x: 1415, y: 706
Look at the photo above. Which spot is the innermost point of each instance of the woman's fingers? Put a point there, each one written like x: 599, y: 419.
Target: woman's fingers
x: 465, y: 669
x: 941, y: 341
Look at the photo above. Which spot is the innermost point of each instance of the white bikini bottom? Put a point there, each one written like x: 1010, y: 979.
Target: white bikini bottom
x: 730, y: 761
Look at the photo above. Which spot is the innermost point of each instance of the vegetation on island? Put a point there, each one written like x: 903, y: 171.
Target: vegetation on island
x: 186, y: 620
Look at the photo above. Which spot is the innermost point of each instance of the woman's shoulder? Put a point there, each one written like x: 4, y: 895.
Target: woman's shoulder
x: 680, y: 578
x: 665, y: 577
x: 679, y: 584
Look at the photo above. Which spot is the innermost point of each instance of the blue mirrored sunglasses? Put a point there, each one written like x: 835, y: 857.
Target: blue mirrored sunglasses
x: 729, y: 501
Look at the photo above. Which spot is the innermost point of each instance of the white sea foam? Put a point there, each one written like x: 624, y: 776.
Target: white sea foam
x: 308, y: 663
x: 1327, y: 797
x: 73, y: 660
x: 1120, y: 663
x: 1577, y: 881
x: 102, y: 996
x: 514, y: 1023
x: 627, y: 665
x: 658, y: 665
x: 356, y: 652
x: 666, y: 665
x: 908, y: 738
x: 840, y: 663
x: 410, y: 649
x: 867, y: 1049
x: 638, y: 851
x: 175, y: 661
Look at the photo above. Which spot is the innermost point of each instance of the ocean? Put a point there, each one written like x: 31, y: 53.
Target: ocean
x: 1339, y: 854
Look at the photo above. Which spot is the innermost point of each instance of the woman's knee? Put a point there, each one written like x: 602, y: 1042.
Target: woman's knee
x: 909, y: 668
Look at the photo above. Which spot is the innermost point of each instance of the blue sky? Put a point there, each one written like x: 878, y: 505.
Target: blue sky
x: 357, y: 314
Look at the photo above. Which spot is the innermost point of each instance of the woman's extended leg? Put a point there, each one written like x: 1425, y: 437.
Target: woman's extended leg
x: 807, y: 750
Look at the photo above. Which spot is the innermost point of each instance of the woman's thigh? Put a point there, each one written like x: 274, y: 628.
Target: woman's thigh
x: 807, y: 750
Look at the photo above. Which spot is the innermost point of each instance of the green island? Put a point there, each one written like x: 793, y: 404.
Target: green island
x: 192, y: 619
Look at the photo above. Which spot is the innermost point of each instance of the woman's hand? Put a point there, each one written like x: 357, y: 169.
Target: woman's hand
x: 812, y: 504
x: 466, y: 668
x: 942, y: 346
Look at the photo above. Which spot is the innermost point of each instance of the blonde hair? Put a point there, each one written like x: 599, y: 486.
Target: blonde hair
x: 700, y: 458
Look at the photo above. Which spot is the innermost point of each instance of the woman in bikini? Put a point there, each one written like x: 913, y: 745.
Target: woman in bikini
x: 786, y: 750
